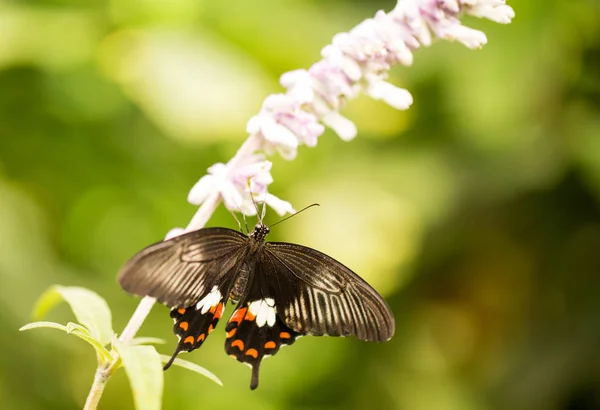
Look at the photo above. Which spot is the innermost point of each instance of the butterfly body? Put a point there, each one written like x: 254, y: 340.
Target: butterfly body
x: 281, y: 291
x: 240, y: 284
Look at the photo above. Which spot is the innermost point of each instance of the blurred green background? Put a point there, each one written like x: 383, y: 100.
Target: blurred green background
x: 476, y: 213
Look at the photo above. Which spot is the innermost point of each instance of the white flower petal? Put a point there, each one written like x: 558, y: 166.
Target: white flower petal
x: 261, y: 178
x: 398, y: 98
x: 302, y: 94
x: 253, y: 165
x: 259, y: 183
x: 499, y: 13
x: 201, y: 190
x: 349, y: 66
x: 295, y: 77
x: 247, y: 207
x: 280, y: 102
x: 330, y: 82
x: 279, y: 205
x: 278, y: 134
x: 404, y: 55
x: 254, y: 124
x: 342, y: 126
x: 232, y: 198
x: 409, y: 15
x: 287, y: 153
x: 451, y: 5
x: 468, y: 36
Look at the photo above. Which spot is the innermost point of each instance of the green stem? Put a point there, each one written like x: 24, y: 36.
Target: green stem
x: 102, y: 375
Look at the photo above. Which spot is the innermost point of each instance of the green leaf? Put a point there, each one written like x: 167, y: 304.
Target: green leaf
x: 36, y: 325
x: 71, y: 327
x: 193, y: 367
x: 90, y: 310
x: 75, y: 330
x: 144, y: 369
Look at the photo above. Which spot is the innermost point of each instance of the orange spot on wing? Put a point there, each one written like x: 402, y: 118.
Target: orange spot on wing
x: 189, y: 339
x: 181, y: 311
x: 201, y: 338
x: 253, y: 353
x: 184, y: 326
x: 270, y: 345
x: 219, y: 311
x: 238, y: 343
x: 231, y: 332
x: 284, y: 335
x: 210, y: 329
x: 250, y: 316
x: 238, y: 315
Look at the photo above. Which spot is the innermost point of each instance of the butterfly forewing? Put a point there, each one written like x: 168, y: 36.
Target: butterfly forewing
x: 180, y: 271
x: 316, y: 294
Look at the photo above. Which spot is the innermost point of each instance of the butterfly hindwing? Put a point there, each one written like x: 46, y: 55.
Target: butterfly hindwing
x: 194, y: 323
x: 256, y: 331
x: 317, y: 295
x: 180, y: 271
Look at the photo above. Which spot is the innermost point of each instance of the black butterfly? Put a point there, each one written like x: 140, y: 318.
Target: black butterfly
x: 282, y: 291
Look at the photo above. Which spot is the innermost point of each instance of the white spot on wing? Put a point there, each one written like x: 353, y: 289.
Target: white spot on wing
x: 264, y: 310
x: 210, y: 300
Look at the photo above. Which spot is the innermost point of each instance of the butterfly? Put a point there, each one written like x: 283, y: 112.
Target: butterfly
x: 281, y: 291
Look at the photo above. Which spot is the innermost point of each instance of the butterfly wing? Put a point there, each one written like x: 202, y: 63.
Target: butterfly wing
x: 194, y: 323
x: 255, y: 330
x: 181, y: 271
x: 193, y: 274
x: 317, y: 295
x: 295, y: 291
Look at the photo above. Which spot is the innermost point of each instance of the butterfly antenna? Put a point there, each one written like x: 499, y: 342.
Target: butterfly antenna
x: 259, y: 214
x: 288, y: 217
x: 263, y: 212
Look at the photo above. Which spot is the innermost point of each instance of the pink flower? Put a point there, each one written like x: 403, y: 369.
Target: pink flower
x: 356, y: 62
x: 238, y: 183
x: 283, y: 125
x: 322, y: 88
x: 495, y: 10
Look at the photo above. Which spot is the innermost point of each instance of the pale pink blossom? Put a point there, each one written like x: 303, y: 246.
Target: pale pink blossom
x: 275, y: 137
x: 283, y: 125
x: 356, y: 62
x: 495, y: 10
x: 239, y: 183
x: 323, y: 97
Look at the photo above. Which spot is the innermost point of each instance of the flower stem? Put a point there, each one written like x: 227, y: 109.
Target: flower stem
x: 204, y: 213
x: 100, y: 379
x: 138, y: 317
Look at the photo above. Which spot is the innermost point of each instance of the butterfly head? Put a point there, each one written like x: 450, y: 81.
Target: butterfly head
x: 260, y: 232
